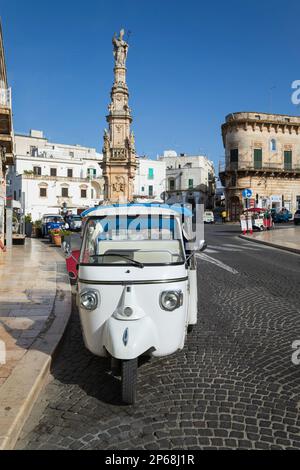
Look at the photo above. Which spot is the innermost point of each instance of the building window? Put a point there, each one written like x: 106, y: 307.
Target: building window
x: 53, y: 171
x: 234, y: 158
x: 191, y: 183
x: 91, y: 172
x: 37, y: 170
x: 43, y: 192
x: 20, y: 193
x: 70, y: 173
x: 143, y: 189
x: 287, y: 159
x: 83, y: 193
x: 15, y: 195
x: 150, y: 173
x: 273, y: 145
x: 33, y: 151
x: 171, y: 184
x: 92, y: 193
x: 257, y: 159
x: 65, y: 192
x: 150, y: 191
x: 71, y: 154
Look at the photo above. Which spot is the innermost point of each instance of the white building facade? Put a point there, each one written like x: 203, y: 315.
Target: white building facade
x: 48, y: 176
x: 189, y: 178
x: 150, y: 179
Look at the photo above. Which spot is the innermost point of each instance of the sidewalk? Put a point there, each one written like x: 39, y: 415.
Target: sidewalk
x: 285, y: 239
x: 35, y: 306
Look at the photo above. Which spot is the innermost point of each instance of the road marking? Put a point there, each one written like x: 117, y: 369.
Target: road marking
x: 244, y: 246
x: 224, y: 248
x: 208, y: 250
x: 221, y: 265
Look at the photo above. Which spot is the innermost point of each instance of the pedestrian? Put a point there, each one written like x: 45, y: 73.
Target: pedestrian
x: 223, y: 215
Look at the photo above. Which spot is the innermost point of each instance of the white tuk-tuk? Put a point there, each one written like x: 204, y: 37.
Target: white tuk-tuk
x: 137, y: 284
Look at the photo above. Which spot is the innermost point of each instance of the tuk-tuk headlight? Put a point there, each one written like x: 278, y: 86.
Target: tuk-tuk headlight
x: 89, y: 299
x: 171, y: 299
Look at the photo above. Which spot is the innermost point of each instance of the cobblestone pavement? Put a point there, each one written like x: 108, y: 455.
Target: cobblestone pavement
x: 233, y: 385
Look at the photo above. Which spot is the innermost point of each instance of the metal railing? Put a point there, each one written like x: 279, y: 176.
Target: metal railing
x: 5, y: 97
x: 257, y: 166
x: 33, y: 176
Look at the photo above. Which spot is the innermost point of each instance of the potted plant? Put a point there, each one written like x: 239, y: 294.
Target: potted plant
x: 65, y: 234
x: 37, y: 225
x: 28, y: 225
x: 56, y: 236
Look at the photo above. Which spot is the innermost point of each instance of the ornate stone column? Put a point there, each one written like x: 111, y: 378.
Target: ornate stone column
x: 119, y: 158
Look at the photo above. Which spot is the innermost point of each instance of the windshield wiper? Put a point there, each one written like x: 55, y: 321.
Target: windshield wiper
x: 133, y: 261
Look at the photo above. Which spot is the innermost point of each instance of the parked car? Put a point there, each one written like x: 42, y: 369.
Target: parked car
x: 281, y: 216
x: 208, y: 217
x: 75, y: 223
x: 51, y: 221
x: 297, y: 217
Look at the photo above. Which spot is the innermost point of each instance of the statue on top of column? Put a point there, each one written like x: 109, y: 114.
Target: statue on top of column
x: 120, y: 49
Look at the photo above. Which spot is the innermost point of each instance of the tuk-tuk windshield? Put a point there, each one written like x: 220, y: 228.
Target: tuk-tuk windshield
x: 127, y: 240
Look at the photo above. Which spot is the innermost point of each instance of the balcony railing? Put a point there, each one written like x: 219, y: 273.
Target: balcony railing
x: 33, y: 176
x: 5, y: 97
x: 257, y: 166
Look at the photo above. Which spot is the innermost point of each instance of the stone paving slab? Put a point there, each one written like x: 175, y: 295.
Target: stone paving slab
x: 285, y: 239
x: 35, y: 305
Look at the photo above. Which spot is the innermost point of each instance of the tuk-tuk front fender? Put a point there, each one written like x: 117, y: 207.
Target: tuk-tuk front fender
x: 128, y: 339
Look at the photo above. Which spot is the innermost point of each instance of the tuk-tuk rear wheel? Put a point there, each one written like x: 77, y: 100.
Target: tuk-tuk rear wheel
x: 129, y: 380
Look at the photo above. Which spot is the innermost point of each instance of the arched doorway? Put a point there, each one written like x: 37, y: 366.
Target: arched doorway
x: 97, y: 190
x: 234, y: 209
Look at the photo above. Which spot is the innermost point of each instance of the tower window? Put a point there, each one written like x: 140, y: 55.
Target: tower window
x: 273, y: 145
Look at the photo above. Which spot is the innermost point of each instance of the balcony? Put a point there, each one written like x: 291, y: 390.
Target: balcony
x: 6, y: 128
x: 263, y: 167
x: 33, y: 176
x: 5, y: 98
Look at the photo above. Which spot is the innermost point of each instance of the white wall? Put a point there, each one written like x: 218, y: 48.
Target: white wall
x: 143, y: 181
x: 187, y: 167
x: 38, y: 152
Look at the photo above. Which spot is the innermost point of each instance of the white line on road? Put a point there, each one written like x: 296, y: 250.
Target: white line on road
x: 211, y: 260
x: 208, y: 250
x: 243, y: 246
x: 224, y: 248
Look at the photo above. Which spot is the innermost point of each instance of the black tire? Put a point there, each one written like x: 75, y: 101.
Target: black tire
x: 129, y: 380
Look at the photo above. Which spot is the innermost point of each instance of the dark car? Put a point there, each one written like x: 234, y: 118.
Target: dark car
x: 297, y: 217
x: 50, y: 222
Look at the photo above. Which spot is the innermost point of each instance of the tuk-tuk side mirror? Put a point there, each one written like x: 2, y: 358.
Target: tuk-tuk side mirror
x: 199, y: 245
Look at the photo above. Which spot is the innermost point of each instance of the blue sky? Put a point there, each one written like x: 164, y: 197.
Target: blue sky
x: 190, y: 63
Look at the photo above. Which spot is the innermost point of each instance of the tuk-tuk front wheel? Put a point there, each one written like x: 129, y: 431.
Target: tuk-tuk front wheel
x: 129, y: 380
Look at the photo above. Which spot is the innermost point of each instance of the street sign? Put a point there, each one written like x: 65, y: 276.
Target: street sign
x: 247, y: 193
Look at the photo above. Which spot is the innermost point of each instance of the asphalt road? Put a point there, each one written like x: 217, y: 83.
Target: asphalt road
x: 233, y: 386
